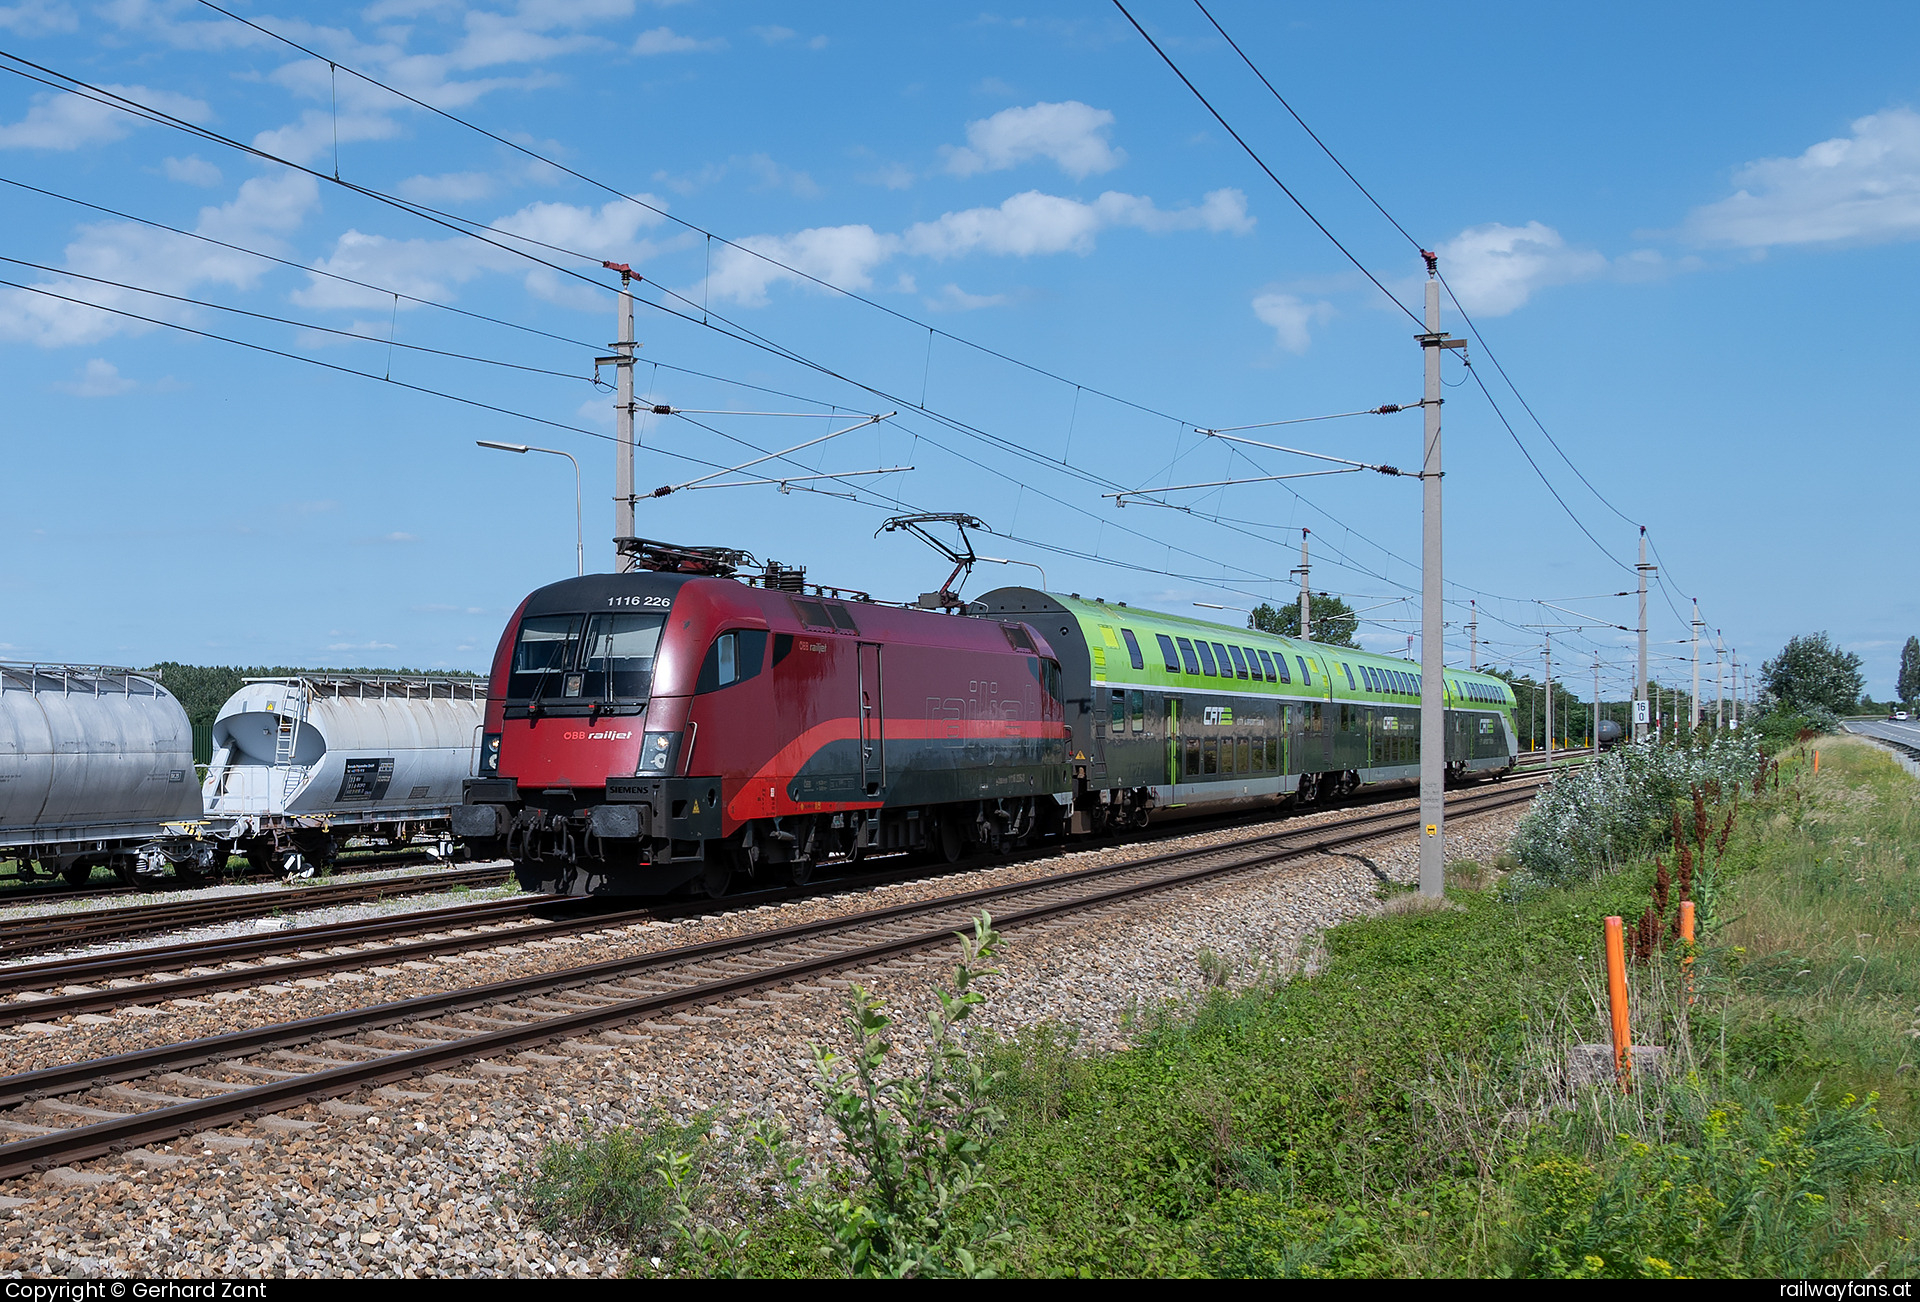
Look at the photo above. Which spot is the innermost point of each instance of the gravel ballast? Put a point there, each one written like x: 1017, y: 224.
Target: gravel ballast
x: 421, y: 1179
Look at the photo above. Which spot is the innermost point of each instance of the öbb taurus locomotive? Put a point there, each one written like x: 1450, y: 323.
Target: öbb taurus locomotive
x: 671, y: 730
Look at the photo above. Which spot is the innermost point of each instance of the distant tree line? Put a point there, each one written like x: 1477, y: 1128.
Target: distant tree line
x: 203, y: 689
x: 1333, y: 620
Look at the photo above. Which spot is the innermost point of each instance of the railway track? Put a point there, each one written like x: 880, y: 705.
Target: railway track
x: 26, y: 891
x: 25, y: 935
x: 86, y: 1109
x: 303, y: 952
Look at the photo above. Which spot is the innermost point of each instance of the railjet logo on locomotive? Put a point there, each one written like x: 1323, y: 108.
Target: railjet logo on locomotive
x: 655, y: 732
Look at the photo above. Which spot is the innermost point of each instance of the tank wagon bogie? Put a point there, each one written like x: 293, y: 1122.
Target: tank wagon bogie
x: 650, y: 732
x: 96, y: 769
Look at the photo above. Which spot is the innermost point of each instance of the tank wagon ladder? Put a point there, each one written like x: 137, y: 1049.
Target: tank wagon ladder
x: 286, y: 744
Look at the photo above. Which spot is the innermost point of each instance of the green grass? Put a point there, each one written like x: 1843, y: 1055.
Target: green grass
x: 1409, y: 1109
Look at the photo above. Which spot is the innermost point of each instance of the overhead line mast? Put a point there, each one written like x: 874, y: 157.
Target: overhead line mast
x: 1433, y: 663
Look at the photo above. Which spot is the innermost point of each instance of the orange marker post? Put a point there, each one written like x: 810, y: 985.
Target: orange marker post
x: 1816, y: 761
x: 1686, y: 939
x: 1617, y: 1001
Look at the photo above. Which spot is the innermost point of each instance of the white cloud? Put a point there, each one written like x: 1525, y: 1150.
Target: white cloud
x: 319, y: 132
x: 773, y: 35
x: 1034, y: 223
x: 1026, y: 225
x: 664, y: 40
x: 1861, y: 187
x: 1292, y: 319
x: 63, y: 121
x: 264, y: 208
x: 422, y: 268
x: 840, y: 255
x: 191, y: 170
x: 361, y: 646
x: 604, y: 231
x: 1494, y: 269
x: 99, y: 378
x: 1072, y: 134
x: 38, y: 18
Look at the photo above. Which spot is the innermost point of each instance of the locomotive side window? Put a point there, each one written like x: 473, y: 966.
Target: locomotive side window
x: 733, y: 658
x: 842, y: 619
x: 1167, y: 653
x: 1187, y: 657
x: 544, y: 649
x: 1206, y: 657
x: 617, y: 658
x: 1018, y: 637
x: 782, y: 646
x: 1133, y: 650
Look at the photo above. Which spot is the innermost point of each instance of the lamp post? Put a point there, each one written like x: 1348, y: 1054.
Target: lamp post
x: 579, y: 536
x: 1004, y: 560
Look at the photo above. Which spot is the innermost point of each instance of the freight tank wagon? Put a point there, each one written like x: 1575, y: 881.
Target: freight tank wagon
x: 302, y: 764
x: 95, y: 763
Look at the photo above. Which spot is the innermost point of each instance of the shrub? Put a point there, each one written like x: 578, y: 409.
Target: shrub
x: 1595, y: 818
x: 609, y: 1186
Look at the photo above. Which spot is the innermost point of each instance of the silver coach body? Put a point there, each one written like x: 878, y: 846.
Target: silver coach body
x: 335, y: 752
x: 91, y: 759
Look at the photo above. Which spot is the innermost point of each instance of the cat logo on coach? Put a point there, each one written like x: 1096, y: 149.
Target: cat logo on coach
x: 596, y: 736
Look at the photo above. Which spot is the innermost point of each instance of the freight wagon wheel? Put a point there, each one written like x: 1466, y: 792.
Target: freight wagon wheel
x: 260, y: 858
x: 78, y: 874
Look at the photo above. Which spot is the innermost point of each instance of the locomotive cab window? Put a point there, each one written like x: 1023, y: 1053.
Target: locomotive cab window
x: 617, y: 657
x: 734, y: 657
x: 544, y: 650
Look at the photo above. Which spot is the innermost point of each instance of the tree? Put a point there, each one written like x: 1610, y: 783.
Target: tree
x: 1909, y: 685
x: 1333, y: 620
x: 1812, y: 673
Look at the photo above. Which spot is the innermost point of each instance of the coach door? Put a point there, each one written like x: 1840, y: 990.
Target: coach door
x: 1174, y: 741
x: 873, y: 740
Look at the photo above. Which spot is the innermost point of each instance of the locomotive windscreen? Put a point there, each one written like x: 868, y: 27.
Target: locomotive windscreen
x: 595, y: 657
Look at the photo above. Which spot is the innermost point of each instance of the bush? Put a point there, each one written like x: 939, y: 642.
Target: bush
x: 1617, y: 808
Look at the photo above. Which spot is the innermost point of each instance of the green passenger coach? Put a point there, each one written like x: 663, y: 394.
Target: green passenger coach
x: 1171, y: 713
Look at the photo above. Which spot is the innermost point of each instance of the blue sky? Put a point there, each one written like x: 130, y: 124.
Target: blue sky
x: 1689, y: 241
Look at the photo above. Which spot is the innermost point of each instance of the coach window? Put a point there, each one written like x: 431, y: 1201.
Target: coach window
x: 1253, y: 664
x: 1137, y: 710
x: 1351, y: 686
x: 733, y: 658
x: 1239, y: 661
x: 1280, y: 664
x: 1193, y: 756
x: 1209, y: 756
x: 1306, y: 674
x: 1246, y: 754
x: 1133, y: 648
x: 1167, y: 653
x: 1226, y: 665
x: 1206, y: 658
x: 1119, y: 711
x: 1187, y: 657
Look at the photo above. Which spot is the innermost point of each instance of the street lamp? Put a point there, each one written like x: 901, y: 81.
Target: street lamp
x: 579, y: 535
x: 1214, y: 605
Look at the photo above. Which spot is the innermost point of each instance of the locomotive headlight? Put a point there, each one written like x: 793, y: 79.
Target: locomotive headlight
x: 656, y: 753
x: 490, y: 753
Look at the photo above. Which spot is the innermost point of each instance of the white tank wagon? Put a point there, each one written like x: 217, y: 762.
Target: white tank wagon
x: 301, y: 764
x: 96, y: 767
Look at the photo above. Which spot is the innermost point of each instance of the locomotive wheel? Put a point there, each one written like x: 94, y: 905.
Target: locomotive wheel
x: 800, y: 872
x: 715, y: 879
x: 952, y: 843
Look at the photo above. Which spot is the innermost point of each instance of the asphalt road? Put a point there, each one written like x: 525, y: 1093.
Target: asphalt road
x: 1907, y: 734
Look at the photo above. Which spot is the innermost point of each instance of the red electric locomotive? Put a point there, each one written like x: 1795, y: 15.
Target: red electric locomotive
x: 659, y: 731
